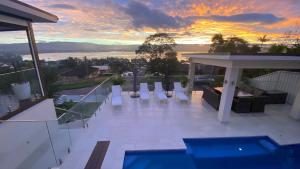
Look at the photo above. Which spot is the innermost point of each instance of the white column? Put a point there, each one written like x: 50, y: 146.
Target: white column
x: 295, y: 112
x: 231, y: 77
x: 191, y: 77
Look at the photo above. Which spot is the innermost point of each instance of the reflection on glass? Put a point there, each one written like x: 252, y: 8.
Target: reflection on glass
x: 19, y: 84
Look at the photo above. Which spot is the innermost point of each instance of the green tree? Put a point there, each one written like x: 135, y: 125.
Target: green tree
x: 50, y: 77
x: 159, y: 50
x: 71, y: 62
x: 277, y: 49
x: 236, y: 45
x: 217, y: 44
x: 295, y: 48
x: 232, y: 45
x: 263, y: 39
x: 255, y: 49
x: 119, y: 65
x: 155, y: 46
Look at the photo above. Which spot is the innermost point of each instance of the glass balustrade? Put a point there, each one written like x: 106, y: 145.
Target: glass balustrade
x: 33, y: 144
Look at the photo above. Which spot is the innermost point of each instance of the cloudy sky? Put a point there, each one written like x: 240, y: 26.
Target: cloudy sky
x: 189, y: 21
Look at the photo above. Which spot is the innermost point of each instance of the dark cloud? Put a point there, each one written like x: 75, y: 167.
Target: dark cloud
x: 265, y: 18
x: 62, y: 6
x: 142, y: 16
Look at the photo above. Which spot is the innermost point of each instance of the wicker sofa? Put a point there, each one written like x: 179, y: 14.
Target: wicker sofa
x: 248, y: 104
x: 212, y: 96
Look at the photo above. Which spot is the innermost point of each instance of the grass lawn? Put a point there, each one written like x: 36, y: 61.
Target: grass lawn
x: 82, y: 84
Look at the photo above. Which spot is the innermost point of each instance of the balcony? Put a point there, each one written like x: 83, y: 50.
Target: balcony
x: 31, y: 139
x: 138, y: 125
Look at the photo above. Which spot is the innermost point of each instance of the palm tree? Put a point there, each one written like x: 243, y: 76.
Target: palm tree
x: 263, y: 39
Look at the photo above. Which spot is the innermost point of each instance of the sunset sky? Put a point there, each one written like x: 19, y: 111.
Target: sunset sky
x: 189, y: 21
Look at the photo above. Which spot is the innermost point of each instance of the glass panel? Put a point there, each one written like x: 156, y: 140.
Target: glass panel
x: 78, y: 115
x: 60, y: 138
x: 25, y: 145
x: 71, y: 118
x: 19, y: 84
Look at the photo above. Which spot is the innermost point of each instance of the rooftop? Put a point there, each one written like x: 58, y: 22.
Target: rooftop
x: 153, y: 125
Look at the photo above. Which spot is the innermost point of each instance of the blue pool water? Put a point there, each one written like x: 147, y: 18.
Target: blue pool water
x: 219, y: 153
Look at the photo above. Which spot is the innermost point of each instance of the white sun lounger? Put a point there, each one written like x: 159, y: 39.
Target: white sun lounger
x: 159, y: 92
x: 116, y: 99
x: 144, y: 91
x: 179, y: 92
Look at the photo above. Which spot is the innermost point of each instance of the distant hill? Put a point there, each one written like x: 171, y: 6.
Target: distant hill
x: 66, y: 47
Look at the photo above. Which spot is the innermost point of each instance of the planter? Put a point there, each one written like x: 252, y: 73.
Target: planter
x: 8, y: 103
x: 22, y: 91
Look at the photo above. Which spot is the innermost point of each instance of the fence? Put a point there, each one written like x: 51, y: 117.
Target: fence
x: 281, y: 80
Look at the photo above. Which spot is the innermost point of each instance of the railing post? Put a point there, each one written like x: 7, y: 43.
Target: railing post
x: 51, y: 143
x: 83, y: 123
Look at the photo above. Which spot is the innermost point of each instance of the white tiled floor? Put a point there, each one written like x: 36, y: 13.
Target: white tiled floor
x: 154, y: 125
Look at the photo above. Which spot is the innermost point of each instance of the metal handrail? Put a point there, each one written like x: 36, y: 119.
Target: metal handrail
x: 71, y: 111
x: 84, y: 97
x: 4, y: 74
x: 4, y: 121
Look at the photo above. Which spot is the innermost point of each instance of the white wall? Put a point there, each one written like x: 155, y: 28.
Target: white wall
x: 44, y: 111
x: 281, y: 80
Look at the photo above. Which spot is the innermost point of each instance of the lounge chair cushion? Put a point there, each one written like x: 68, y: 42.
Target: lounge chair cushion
x: 144, y: 96
x: 181, y: 96
x: 144, y: 91
x: 161, y: 96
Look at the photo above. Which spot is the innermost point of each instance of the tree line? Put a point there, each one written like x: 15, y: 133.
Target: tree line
x: 237, y: 45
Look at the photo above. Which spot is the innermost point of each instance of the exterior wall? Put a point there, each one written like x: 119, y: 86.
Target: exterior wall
x: 281, y: 80
x: 41, y: 112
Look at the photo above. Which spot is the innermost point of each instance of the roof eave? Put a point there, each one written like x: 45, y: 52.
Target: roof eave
x: 24, y: 11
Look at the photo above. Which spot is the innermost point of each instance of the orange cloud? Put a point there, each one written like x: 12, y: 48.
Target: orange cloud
x: 103, y: 21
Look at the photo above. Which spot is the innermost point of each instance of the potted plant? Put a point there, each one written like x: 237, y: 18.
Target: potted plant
x: 184, y: 81
x: 21, y: 87
x: 118, y: 80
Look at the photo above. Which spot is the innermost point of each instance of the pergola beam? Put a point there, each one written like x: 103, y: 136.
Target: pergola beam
x: 266, y: 64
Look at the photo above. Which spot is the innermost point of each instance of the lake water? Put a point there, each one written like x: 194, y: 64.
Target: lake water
x: 89, y: 55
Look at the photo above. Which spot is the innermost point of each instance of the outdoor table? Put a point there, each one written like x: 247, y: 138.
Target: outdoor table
x: 240, y: 93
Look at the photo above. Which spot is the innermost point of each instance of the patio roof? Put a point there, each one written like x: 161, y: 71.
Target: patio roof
x: 246, y: 61
x: 15, y: 15
x: 234, y: 65
x: 24, y: 11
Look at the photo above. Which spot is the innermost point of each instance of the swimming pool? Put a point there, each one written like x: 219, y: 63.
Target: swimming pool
x: 219, y: 153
